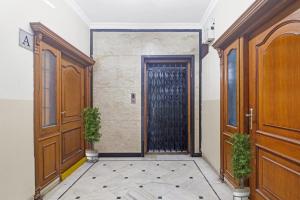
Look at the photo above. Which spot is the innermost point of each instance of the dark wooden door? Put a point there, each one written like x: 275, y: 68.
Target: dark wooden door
x: 167, y: 97
x: 47, y: 118
x: 72, y: 104
x: 275, y: 100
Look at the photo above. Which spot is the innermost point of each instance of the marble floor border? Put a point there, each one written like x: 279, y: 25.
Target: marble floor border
x: 206, y: 179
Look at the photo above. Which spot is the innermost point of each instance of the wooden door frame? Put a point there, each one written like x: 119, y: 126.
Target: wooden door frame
x: 189, y: 59
x: 45, y: 35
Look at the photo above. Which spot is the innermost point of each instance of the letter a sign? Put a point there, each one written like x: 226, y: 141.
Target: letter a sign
x: 25, y: 40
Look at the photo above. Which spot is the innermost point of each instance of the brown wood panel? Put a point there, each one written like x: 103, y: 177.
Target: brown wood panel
x: 48, y: 163
x: 72, y: 104
x: 71, y: 143
x: 47, y: 141
x: 228, y: 160
x: 269, y: 52
x: 228, y: 130
x: 58, y: 141
x: 279, y: 186
x: 274, y: 79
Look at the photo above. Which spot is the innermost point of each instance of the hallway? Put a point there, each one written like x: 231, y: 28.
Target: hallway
x: 152, y: 177
x: 174, y: 99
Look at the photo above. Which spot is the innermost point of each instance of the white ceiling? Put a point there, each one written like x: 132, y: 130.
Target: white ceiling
x: 142, y: 11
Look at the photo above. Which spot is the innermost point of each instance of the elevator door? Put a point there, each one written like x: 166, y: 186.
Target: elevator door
x: 167, y: 107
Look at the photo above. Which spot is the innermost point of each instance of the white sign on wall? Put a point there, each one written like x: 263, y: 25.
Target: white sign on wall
x: 25, y: 40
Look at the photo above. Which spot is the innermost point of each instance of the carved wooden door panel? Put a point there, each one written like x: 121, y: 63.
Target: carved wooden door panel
x: 47, y: 118
x: 72, y: 104
x: 275, y: 100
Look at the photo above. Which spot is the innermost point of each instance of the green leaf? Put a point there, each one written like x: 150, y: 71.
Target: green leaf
x: 241, y: 155
x: 92, y: 124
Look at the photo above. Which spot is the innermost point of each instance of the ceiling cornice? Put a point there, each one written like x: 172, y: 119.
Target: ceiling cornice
x: 145, y: 26
x: 101, y: 25
x: 79, y: 11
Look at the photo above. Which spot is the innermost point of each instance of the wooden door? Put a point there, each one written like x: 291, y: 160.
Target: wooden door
x: 275, y: 100
x: 72, y: 104
x: 234, y: 103
x: 230, y: 107
x: 47, y: 115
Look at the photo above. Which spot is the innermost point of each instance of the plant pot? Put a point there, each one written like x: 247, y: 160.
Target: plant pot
x: 91, y: 155
x: 241, y: 194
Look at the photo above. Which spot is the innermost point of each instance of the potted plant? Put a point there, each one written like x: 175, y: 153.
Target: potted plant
x: 92, y: 125
x: 241, y: 158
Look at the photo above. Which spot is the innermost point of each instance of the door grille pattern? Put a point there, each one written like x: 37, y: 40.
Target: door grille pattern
x: 167, y: 107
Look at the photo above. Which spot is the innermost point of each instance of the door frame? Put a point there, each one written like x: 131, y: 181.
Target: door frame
x: 190, y: 60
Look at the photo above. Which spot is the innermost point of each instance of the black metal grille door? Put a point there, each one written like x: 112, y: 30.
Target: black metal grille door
x: 167, y: 107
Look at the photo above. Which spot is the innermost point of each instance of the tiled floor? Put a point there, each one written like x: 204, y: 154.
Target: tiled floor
x: 172, y: 177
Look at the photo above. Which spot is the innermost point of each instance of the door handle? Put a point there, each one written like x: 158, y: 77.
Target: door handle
x: 62, y: 113
x: 250, y: 116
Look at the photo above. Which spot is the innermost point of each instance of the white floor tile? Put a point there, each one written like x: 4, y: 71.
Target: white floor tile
x: 152, y: 177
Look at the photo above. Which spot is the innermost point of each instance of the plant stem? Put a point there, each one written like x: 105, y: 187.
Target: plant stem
x: 242, y: 183
x: 92, y: 146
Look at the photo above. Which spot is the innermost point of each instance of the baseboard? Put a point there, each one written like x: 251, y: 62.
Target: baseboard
x: 120, y: 155
x: 209, y: 163
x: 196, y: 155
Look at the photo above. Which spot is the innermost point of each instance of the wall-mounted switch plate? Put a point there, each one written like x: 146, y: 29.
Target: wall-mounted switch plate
x: 133, y: 98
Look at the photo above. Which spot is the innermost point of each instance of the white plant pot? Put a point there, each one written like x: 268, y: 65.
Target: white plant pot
x: 241, y: 194
x: 91, y: 156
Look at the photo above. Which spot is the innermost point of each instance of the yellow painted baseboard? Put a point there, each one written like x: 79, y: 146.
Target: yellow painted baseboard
x: 69, y: 171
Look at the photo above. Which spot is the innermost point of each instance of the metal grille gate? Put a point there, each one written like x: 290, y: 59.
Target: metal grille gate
x: 167, y: 107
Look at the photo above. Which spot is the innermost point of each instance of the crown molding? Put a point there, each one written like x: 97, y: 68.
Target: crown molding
x: 121, y: 25
x: 212, y: 4
x: 76, y: 8
x: 145, y: 26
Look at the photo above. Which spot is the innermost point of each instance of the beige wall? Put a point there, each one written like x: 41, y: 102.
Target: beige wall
x: 225, y: 13
x: 117, y: 74
x: 16, y: 87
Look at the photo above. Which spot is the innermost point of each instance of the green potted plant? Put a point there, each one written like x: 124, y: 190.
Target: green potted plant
x: 241, y: 158
x: 92, y: 125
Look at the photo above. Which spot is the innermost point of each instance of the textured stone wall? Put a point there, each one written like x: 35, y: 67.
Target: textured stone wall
x: 117, y: 74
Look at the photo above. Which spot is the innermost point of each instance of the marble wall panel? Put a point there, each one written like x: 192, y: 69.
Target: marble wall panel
x: 117, y: 74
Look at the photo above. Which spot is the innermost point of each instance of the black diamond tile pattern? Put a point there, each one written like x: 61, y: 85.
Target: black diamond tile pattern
x: 141, y: 180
